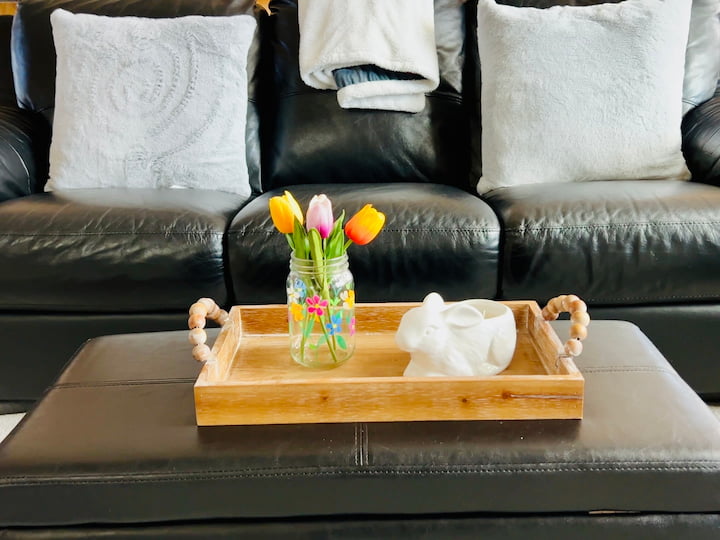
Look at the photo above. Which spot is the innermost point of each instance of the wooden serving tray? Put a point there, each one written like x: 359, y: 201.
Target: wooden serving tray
x: 254, y: 380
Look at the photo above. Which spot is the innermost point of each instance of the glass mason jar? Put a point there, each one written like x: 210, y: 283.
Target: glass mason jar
x: 321, y: 311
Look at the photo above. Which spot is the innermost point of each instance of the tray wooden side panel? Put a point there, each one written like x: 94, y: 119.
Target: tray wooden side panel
x: 389, y: 399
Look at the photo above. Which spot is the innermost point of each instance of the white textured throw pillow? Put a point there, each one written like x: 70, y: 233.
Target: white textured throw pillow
x: 575, y: 93
x: 150, y: 103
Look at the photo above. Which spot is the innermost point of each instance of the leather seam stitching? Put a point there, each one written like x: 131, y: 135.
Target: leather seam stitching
x: 523, y: 230
x: 344, y: 470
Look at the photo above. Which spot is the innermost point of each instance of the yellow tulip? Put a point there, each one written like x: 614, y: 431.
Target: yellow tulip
x: 364, y: 226
x: 284, y: 211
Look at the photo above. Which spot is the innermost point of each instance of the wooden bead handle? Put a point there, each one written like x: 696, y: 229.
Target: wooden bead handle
x: 199, y: 311
x: 578, y: 315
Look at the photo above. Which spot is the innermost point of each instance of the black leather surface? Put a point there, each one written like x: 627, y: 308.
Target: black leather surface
x: 686, y: 336
x: 24, y: 145
x: 7, y: 86
x: 34, y: 53
x: 471, y: 527
x: 701, y: 141
x: 616, y: 242
x: 436, y: 238
x: 647, y: 443
x: 315, y: 141
x: 39, y: 345
x: 114, y: 250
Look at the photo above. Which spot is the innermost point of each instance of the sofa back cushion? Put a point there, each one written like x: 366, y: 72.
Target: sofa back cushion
x: 313, y: 140
x: 34, y: 57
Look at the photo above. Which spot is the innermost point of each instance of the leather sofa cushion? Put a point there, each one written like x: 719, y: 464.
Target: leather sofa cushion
x: 614, y: 242
x: 34, y: 53
x: 22, y: 170
x: 701, y: 139
x: 115, y: 441
x: 436, y: 238
x: 313, y: 140
x: 114, y: 250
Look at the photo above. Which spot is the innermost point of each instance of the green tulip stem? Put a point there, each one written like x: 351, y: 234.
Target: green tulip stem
x: 331, y: 347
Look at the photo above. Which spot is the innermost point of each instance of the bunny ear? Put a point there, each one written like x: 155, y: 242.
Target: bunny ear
x: 463, y: 315
x: 434, y: 301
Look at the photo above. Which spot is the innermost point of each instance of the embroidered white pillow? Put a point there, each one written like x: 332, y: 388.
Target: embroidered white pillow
x: 150, y: 103
x: 575, y: 93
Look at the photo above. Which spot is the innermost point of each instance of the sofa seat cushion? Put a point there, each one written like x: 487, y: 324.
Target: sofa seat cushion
x: 114, y: 250
x: 616, y: 242
x: 436, y: 238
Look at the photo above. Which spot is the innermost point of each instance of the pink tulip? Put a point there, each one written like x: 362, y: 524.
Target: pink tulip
x: 320, y: 216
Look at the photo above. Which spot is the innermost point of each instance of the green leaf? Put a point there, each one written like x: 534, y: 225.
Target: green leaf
x: 321, y: 341
x: 299, y: 240
x: 341, y: 341
x: 316, y: 249
x: 338, y: 228
x: 336, y: 238
x: 330, y: 249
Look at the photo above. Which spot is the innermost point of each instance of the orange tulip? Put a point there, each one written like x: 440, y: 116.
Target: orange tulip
x: 364, y: 226
x: 284, y: 211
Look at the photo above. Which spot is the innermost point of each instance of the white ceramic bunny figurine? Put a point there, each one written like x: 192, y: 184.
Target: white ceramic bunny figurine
x: 473, y: 337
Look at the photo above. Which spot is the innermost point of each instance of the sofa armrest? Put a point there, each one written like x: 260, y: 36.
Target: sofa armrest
x: 701, y: 141
x: 24, y: 149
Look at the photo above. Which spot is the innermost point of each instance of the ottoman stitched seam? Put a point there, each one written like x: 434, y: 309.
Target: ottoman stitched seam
x: 345, y: 470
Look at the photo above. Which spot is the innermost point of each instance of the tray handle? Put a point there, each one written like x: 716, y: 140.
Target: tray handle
x: 578, y: 315
x: 200, y: 311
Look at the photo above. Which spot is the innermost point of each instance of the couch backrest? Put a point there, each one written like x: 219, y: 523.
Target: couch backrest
x: 313, y: 140
x: 306, y: 137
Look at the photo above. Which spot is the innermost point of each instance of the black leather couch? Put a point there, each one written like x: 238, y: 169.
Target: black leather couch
x: 84, y: 263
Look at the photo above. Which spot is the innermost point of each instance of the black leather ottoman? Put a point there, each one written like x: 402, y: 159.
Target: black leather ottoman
x: 113, y: 449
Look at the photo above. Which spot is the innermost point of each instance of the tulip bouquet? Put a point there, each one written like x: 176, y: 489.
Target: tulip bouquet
x: 320, y: 287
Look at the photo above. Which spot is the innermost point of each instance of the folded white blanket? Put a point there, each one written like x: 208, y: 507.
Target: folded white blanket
x: 394, y: 35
